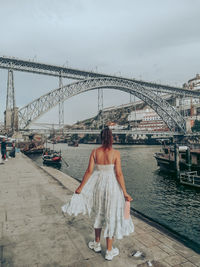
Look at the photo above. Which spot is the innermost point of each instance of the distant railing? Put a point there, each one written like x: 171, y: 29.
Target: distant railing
x: 190, y: 178
x: 194, y: 146
x: 90, y: 131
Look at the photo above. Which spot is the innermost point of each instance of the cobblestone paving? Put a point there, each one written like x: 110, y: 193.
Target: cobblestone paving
x: 34, y: 232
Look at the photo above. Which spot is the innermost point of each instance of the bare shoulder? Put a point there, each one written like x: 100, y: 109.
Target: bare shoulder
x: 116, y: 153
x: 93, y: 152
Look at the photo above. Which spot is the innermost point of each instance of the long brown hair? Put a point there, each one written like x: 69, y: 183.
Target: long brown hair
x: 106, y: 137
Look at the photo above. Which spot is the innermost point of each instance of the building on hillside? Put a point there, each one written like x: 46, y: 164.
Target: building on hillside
x: 153, y: 123
x: 146, y: 120
x: 115, y: 126
x: 189, y: 106
x: 137, y: 115
x: 193, y: 84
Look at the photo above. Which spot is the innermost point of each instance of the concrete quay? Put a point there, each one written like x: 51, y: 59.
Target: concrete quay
x: 34, y: 232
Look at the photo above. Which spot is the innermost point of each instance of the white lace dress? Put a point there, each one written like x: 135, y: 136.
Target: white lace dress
x: 103, y: 199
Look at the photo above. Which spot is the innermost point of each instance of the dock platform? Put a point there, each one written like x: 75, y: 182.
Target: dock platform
x: 35, y: 233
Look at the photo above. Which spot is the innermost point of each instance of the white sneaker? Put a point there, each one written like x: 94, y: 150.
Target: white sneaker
x: 137, y: 254
x: 111, y: 253
x: 6, y: 160
x: 96, y: 246
x: 149, y: 263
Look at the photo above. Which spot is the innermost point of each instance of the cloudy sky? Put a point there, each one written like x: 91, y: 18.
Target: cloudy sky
x: 152, y: 40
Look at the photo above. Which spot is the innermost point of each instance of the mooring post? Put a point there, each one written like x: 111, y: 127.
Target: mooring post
x: 176, y: 160
x: 188, y: 159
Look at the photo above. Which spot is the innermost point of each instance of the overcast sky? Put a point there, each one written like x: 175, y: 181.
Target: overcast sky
x: 153, y: 40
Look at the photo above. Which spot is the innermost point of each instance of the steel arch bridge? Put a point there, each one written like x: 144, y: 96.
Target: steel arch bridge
x: 41, y: 105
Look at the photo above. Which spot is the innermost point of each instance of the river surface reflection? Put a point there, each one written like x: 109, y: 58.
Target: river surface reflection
x: 155, y: 194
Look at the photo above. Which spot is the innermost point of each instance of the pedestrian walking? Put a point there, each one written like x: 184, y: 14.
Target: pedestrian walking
x: 3, y: 149
x: 102, y: 194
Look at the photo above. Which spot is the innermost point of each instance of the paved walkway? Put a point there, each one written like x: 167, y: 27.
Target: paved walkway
x: 34, y: 232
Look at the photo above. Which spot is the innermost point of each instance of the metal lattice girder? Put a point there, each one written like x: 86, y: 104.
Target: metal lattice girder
x: 38, y: 107
x: 61, y: 104
x: 46, y: 69
x: 53, y: 70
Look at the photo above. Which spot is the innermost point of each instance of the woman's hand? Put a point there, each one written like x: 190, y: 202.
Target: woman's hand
x: 78, y: 190
x: 127, y: 197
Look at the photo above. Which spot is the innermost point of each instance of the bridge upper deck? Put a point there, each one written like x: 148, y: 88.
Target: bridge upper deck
x: 77, y: 74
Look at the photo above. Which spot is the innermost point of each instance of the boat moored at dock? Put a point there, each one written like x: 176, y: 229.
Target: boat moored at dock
x: 182, y: 160
x: 166, y: 158
x: 32, y: 148
x: 52, y: 158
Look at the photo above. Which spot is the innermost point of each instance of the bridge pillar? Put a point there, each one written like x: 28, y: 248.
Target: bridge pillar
x: 8, y: 119
x: 11, y: 113
x: 61, y: 104
x: 100, y: 109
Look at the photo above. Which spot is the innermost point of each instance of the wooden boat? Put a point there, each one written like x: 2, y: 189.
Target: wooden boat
x: 32, y: 148
x: 52, y: 158
x: 33, y: 151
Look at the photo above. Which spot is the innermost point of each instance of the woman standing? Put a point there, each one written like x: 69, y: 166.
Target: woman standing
x: 102, y: 193
x: 3, y: 149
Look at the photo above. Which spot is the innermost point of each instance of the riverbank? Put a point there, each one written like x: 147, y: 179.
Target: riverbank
x: 157, y: 195
x: 34, y: 232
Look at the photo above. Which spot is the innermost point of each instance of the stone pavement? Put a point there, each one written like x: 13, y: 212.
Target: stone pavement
x: 34, y: 232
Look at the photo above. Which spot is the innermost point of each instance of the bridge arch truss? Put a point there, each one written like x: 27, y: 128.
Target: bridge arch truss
x: 43, y: 104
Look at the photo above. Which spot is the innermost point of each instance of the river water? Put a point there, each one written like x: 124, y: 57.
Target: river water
x: 155, y: 194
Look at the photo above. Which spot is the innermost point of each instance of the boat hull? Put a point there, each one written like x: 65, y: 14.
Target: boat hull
x: 50, y: 162
x: 169, y: 165
x: 36, y: 151
x: 52, y: 159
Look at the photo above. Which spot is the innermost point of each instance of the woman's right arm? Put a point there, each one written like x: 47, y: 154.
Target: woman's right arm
x: 120, y: 177
x: 88, y: 173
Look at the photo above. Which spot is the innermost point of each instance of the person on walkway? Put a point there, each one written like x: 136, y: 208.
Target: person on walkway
x: 3, y: 149
x: 102, y: 194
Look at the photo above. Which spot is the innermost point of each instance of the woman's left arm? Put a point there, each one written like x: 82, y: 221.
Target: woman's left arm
x: 87, y: 174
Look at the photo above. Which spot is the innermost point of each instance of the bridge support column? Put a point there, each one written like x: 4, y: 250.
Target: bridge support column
x: 100, y: 109
x: 61, y: 104
x: 11, y: 113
